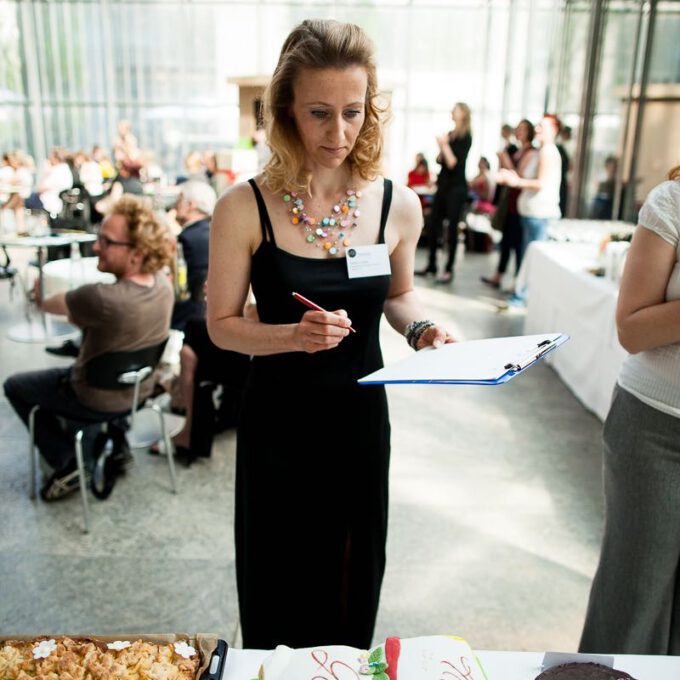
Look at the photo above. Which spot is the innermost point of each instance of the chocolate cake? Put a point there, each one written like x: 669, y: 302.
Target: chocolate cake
x: 583, y: 671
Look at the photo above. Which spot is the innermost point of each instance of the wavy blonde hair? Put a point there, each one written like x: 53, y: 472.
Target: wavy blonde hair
x: 319, y: 44
x: 146, y: 233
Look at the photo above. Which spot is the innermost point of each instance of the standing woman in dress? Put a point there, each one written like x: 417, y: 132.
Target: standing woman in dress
x: 313, y: 446
x: 634, y: 603
x: 451, y: 194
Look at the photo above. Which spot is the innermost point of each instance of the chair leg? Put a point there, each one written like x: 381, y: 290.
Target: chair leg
x: 31, y: 450
x: 83, y: 480
x: 169, y: 447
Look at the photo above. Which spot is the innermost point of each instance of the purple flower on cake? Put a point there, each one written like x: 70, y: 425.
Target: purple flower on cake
x: 184, y: 649
x: 43, y: 649
x: 118, y: 645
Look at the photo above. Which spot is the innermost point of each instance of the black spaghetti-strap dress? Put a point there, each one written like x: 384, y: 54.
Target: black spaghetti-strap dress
x: 312, y: 461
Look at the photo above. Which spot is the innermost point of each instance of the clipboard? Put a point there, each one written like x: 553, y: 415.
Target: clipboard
x: 492, y: 361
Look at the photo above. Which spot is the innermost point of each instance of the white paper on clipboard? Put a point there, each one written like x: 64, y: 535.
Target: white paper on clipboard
x: 491, y: 361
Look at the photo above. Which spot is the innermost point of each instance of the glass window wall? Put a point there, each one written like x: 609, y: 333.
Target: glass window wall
x: 71, y: 69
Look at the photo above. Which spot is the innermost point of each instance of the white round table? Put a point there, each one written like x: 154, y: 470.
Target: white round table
x: 62, y: 275
x: 42, y: 328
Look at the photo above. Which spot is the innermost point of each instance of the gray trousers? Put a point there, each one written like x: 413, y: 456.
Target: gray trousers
x: 634, y: 603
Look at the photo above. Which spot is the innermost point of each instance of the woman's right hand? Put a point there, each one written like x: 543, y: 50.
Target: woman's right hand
x: 318, y: 331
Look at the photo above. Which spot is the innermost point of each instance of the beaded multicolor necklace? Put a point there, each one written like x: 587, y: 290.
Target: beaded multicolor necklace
x: 330, y: 233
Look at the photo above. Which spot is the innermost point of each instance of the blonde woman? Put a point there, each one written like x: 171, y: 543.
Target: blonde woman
x: 451, y: 194
x: 313, y: 446
x: 634, y: 606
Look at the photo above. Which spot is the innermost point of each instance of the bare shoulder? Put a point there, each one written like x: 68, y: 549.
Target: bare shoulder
x: 236, y: 200
x: 406, y: 212
x: 236, y: 213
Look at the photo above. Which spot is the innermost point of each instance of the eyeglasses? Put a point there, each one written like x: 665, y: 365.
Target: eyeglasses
x: 104, y: 241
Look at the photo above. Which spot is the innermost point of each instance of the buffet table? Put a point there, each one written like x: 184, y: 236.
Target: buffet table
x: 563, y: 296
x: 244, y: 664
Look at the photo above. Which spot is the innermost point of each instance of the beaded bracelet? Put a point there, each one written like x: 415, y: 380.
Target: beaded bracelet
x: 415, y: 329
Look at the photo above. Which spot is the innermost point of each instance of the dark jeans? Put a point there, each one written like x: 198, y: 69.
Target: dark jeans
x: 513, y: 241
x: 448, y: 204
x: 51, y: 390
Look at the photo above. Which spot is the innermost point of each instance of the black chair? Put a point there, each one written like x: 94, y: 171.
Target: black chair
x: 117, y: 371
x: 75, y: 210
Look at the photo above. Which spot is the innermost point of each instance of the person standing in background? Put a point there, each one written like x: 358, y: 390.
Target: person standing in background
x: 634, y: 605
x: 513, y: 236
x: 539, y: 201
x: 451, y: 194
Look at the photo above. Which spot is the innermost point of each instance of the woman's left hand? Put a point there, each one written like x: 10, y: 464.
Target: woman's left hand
x: 443, y: 140
x: 434, y: 336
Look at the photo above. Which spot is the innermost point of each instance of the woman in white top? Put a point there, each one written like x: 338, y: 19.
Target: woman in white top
x: 539, y: 201
x: 634, y: 604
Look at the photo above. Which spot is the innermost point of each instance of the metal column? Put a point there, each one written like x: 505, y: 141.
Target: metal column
x: 590, y: 79
x: 629, y: 197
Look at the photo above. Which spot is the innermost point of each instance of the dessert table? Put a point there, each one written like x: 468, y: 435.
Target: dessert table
x: 564, y: 296
x: 243, y: 664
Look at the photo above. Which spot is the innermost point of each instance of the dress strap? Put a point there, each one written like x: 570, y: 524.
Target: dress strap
x: 387, y: 201
x: 265, y: 222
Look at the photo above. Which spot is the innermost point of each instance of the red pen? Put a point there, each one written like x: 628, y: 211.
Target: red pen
x: 312, y: 305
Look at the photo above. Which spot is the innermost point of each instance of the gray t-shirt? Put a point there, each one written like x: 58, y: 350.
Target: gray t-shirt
x: 118, y: 317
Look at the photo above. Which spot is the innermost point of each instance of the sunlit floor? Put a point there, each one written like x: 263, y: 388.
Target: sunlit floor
x: 495, y: 512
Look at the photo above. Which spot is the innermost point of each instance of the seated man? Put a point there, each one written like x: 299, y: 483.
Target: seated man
x: 195, y: 204
x: 130, y: 314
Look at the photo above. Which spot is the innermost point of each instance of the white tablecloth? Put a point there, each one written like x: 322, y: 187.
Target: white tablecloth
x: 244, y: 664
x: 564, y: 297
x: 587, y: 231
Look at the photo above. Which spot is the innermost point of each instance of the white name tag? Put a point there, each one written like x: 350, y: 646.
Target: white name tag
x: 363, y: 261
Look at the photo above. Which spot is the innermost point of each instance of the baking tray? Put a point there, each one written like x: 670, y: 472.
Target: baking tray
x: 212, y: 648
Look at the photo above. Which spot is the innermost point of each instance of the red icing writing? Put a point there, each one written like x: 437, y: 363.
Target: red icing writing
x: 455, y: 672
x: 321, y: 657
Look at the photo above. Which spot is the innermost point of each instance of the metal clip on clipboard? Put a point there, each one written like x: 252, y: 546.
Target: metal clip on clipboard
x: 541, y: 349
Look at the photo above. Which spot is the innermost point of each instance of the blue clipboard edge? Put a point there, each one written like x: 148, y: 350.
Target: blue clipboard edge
x: 560, y: 340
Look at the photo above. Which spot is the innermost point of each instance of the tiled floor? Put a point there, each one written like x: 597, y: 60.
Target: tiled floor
x: 495, y: 513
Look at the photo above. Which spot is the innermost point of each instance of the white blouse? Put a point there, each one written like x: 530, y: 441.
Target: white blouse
x: 653, y: 376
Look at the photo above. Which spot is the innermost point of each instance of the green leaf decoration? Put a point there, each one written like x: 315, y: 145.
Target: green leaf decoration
x: 375, y: 655
x: 378, y: 668
x: 381, y: 676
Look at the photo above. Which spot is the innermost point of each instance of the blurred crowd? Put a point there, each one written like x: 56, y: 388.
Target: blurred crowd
x: 94, y: 180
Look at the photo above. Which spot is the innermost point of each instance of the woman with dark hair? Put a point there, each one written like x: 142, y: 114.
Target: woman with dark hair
x: 634, y: 605
x: 310, y: 553
x: 451, y: 195
x: 513, y: 239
